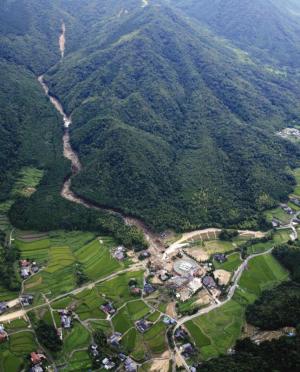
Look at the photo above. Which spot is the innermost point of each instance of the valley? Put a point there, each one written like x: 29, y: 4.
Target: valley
x: 151, y: 222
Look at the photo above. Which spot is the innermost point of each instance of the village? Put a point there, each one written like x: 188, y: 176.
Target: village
x: 190, y: 272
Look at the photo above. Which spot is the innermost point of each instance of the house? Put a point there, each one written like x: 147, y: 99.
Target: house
x: 144, y: 254
x: 164, y: 275
x: 108, y: 363
x: 120, y: 253
x: 108, y: 308
x: 295, y: 201
x: 37, y: 368
x: 221, y: 258
x: 195, y: 284
x: 209, y: 282
x: 115, y: 339
x: 37, y: 358
x: 122, y: 357
x: 25, y: 273
x: 66, y: 319
x: 26, y: 300
x: 24, y: 263
x: 3, y: 334
x: 168, y: 321
x: 275, y: 223
x: 34, y: 268
x: 94, y: 350
x: 148, y: 288
x: 3, y: 307
x: 187, y: 350
x: 130, y: 365
x: 180, y: 334
x: 142, y: 325
x: 135, y: 290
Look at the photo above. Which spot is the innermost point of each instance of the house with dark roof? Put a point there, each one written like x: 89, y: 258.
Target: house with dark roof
x: 66, y: 319
x: 3, y: 307
x: 148, y: 288
x: 187, y: 350
x: 220, y: 257
x: 26, y: 300
x: 209, y: 282
x: 130, y: 365
x: 115, y: 339
x: 108, y: 308
x: 142, y: 325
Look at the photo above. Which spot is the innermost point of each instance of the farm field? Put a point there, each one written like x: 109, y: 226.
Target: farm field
x: 13, y: 354
x: 130, y: 313
x: 117, y: 289
x: 218, y: 246
x: 27, y: 181
x: 60, y: 254
x: 214, y: 333
x: 232, y: 263
x: 279, y: 214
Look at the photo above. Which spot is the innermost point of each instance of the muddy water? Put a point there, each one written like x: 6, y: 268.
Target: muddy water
x: 62, y: 40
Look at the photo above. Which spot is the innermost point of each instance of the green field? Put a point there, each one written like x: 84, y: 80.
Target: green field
x: 131, y: 312
x: 218, y: 246
x: 277, y: 213
x: 117, y: 289
x: 14, y: 353
x: 60, y: 253
x: 232, y: 263
x: 150, y: 343
x: 28, y: 179
x: 80, y: 361
x: 214, y: 333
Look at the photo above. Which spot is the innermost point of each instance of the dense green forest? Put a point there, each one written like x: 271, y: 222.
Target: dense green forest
x: 276, y: 308
x: 289, y: 256
x: 172, y: 124
x: 273, y: 39
x: 168, y: 121
x: 281, y: 355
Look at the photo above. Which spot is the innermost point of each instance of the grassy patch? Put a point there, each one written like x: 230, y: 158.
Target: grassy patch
x: 232, y: 263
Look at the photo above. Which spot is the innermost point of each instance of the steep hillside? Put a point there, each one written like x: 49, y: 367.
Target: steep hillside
x: 172, y: 124
x: 268, y: 29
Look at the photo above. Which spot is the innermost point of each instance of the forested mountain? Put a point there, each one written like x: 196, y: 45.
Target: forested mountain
x: 172, y: 123
x: 169, y: 120
x: 268, y: 29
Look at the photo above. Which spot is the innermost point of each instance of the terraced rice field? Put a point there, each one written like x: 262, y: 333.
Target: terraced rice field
x: 60, y: 253
x: 214, y: 333
x: 97, y: 260
x: 13, y: 354
x: 80, y: 361
x: 117, y: 289
x: 152, y: 342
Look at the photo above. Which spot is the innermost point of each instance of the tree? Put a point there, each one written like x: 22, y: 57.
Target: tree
x: 47, y: 335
